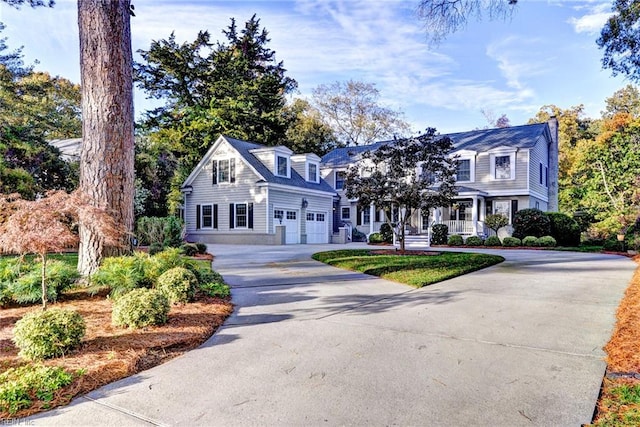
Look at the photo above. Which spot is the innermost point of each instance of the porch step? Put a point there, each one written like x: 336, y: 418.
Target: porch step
x: 416, y: 241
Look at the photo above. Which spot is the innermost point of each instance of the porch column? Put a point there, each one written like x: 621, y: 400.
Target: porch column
x: 372, y: 218
x: 474, y: 215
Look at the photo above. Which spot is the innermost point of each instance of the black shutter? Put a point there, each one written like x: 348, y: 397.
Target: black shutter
x: 489, y: 208
x: 378, y: 215
x: 214, y: 171
x: 232, y: 170
x: 231, y: 215
x: 514, y: 209
x: 215, y: 216
x: 197, y: 217
x: 250, y: 214
x: 358, y: 216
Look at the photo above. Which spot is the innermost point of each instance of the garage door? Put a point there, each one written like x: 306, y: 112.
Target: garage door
x: 290, y: 221
x: 317, y: 227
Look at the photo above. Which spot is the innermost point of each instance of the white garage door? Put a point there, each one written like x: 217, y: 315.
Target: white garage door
x: 290, y: 221
x: 317, y: 227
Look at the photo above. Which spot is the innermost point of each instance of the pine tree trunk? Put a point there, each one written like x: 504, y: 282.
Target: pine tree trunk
x: 107, y: 157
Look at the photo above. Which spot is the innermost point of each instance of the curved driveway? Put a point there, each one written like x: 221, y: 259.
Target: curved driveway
x: 519, y: 343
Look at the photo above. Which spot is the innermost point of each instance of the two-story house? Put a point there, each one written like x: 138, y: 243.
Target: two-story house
x: 499, y: 171
x: 242, y: 192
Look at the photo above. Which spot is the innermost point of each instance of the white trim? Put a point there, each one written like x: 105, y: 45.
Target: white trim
x: 235, y: 216
x: 472, y: 169
x: 335, y: 179
x: 293, y: 189
x: 501, y: 193
x: 276, y: 166
x: 341, y: 210
x: 306, y: 169
x: 266, y: 190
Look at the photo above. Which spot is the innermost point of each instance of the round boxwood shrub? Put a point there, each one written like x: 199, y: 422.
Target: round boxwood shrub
x: 531, y: 222
x: 189, y: 249
x: 530, y: 241
x: 375, y: 238
x: 455, y: 240
x: 547, y: 241
x: 493, y: 241
x: 50, y: 333
x: 202, y: 248
x: 439, y: 233
x: 564, y: 229
x: 473, y: 241
x: 177, y: 284
x: 511, y: 242
x: 139, y: 308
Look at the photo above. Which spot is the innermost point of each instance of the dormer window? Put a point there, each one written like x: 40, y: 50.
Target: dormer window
x: 312, y: 172
x: 282, y: 166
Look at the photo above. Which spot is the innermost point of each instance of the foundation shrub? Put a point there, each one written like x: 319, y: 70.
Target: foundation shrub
x: 202, y: 248
x: 178, y: 285
x: 375, y: 238
x: 473, y: 241
x: 139, y: 308
x: 50, y: 333
x: 455, y: 240
x: 531, y: 241
x: 439, y: 233
x: 531, y: 222
x: 387, y: 233
x: 493, y: 241
x: 189, y: 249
x: 547, y: 241
x: 511, y: 242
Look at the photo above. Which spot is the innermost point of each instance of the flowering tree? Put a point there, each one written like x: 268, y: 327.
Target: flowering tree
x: 409, y: 174
x: 48, y: 225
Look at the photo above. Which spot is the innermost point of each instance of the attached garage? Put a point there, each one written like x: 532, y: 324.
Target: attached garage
x: 317, y: 227
x: 288, y: 218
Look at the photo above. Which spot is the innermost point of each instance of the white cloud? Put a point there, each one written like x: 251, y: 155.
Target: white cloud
x: 593, y: 20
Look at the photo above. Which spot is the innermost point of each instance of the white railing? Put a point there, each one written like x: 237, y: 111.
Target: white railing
x: 459, y: 227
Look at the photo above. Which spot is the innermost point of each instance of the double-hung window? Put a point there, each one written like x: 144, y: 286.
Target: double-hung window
x: 224, y: 171
x: 312, y: 172
x: 241, y: 215
x: 463, y: 170
x: 282, y: 166
x: 340, y: 177
x: 503, y: 166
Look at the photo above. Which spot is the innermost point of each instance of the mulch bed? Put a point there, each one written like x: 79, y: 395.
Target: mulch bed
x: 109, y: 353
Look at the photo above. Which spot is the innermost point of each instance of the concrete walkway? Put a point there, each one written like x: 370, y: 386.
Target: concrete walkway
x: 519, y: 343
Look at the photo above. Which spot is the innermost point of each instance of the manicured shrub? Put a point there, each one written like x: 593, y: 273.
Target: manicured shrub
x: 155, y: 248
x: 18, y: 386
x: 455, y: 240
x: 439, y: 233
x: 547, y: 241
x: 46, y: 334
x: 511, y: 242
x: 375, y: 238
x: 166, y: 260
x: 139, y: 308
x: 177, y: 284
x: 564, y: 229
x: 124, y: 273
x: 216, y: 289
x: 530, y: 241
x: 473, y: 241
x: 496, y: 221
x: 206, y: 275
x: 189, y: 249
x: 493, y: 241
x: 202, y: 248
x: 531, y: 222
x: 386, y: 232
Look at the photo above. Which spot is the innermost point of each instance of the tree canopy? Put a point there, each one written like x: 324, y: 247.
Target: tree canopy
x: 619, y: 39
x: 405, y: 174
x: 235, y: 87
x: 307, y: 133
x: 352, y: 110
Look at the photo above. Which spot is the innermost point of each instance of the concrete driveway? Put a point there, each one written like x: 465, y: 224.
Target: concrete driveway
x: 519, y: 343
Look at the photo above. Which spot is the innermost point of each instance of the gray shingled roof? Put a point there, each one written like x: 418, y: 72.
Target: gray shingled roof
x: 244, y: 148
x: 524, y: 136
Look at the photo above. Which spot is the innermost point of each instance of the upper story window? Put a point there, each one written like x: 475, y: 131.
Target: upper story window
x: 312, y: 172
x: 340, y: 177
x: 503, y: 166
x: 224, y: 171
x: 282, y: 166
x: 464, y: 170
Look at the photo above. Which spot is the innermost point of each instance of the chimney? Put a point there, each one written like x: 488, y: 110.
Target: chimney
x: 553, y: 165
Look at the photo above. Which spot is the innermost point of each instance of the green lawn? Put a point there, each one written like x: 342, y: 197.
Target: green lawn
x: 414, y: 270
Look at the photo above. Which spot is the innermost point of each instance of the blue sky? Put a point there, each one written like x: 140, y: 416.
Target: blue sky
x: 545, y: 54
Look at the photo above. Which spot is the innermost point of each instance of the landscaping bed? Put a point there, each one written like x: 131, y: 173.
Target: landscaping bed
x: 108, y: 353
